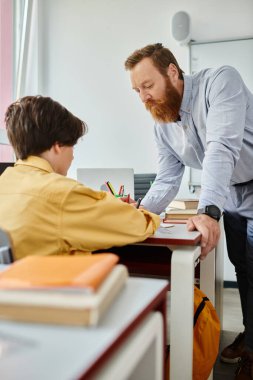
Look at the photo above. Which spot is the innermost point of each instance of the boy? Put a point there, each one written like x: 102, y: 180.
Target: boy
x: 47, y: 213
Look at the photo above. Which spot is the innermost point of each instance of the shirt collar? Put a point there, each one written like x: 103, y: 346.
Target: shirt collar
x: 186, y: 101
x: 36, y: 162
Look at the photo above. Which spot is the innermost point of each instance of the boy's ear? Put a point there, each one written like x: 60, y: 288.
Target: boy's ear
x: 57, y: 148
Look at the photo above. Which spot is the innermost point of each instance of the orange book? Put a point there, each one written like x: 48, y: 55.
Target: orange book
x: 58, y: 271
x: 69, y: 290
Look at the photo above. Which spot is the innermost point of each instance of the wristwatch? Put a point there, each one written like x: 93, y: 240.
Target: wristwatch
x: 212, y: 211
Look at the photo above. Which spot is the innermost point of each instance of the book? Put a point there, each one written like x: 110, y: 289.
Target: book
x: 61, y: 304
x: 184, y: 204
x: 175, y: 221
x: 173, y: 213
x: 87, y: 271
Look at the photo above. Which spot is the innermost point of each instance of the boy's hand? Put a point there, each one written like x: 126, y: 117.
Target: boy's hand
x: 127, y: 199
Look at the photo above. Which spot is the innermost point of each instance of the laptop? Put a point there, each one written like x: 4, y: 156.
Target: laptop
x: 4, y: 165
x: 97, y: 177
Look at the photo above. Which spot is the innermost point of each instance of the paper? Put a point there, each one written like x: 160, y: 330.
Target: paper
x: 167, y: 225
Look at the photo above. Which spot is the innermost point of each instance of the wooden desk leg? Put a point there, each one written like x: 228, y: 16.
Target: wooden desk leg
x: 219, y: 274
x: 212, y: 275
x: 181, y: 312
x: 162, y: 308
x: 208, y: 280
x: 139, y: 356
x: 207, y: 276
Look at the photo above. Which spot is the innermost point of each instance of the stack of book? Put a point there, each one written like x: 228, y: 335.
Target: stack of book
x: 70, y: 290
x: 179, y: 210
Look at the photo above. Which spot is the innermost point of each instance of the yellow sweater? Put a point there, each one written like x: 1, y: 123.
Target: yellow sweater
x: 47, y: 213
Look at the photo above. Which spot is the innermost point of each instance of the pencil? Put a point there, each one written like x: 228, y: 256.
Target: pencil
x: 110, y: 187
x: 138, y: 203
x: 121, y: 190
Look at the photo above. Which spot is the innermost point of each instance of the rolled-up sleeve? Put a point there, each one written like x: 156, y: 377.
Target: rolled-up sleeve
x: 168, y: 179
x: 226, y: 99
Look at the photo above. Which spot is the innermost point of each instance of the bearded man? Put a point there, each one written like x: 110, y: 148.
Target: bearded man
x: 205, y: 121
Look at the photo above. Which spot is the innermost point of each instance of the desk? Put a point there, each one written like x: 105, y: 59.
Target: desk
x: 172, y: 253
x: 52, y: 352
x: 211, y: 269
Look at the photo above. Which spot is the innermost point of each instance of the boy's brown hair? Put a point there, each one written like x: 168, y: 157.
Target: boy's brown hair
x: 35, y: 123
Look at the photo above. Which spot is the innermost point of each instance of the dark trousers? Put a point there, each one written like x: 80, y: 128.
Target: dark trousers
x: 238, y: 224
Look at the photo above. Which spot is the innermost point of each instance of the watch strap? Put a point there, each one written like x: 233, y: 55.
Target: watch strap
x: 212, y: 211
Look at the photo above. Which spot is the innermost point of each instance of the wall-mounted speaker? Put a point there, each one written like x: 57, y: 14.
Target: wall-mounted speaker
x: 180, y: 27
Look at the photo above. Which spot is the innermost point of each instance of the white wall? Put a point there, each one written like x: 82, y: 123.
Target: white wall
x: 83, y: 45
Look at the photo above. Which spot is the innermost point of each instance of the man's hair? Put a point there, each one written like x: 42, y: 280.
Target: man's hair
x: 161, y: 58
x: 35, y: 123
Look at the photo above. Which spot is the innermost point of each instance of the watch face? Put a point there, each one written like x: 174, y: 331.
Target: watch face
x: 213, y: 211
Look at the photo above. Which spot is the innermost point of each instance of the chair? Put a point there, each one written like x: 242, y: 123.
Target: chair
x: 142, y: 183
x: 6, y: 255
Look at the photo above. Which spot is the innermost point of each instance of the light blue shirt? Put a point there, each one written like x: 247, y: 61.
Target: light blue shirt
x: 215, y: 134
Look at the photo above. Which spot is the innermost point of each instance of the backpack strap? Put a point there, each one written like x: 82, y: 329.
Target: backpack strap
x: 199, y: 309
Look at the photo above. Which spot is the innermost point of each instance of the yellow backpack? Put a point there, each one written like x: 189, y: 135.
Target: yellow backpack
x: 206, y: 336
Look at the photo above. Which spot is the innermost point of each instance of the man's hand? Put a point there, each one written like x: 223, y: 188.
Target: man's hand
x: 209, y: 229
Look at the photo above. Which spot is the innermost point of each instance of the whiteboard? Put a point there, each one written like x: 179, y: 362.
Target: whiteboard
x: 213, y: 54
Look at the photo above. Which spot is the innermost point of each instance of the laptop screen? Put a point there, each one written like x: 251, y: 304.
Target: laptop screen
x: 4, y: 165
x: 97, y: 177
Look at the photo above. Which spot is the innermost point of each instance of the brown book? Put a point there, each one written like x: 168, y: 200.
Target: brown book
x: 173, y: 213
x: 68, y: 302
x: 174, y: 221
x: 184, y: 204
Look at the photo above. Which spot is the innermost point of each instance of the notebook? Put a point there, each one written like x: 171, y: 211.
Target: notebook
x: 96, y: 178
x: 68, y: 290
x: 55, y: 272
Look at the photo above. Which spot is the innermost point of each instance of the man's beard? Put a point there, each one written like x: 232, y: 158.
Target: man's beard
x: 165, y: 110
